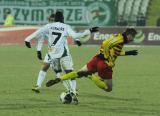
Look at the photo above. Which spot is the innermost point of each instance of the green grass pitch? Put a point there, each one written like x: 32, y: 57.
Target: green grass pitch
x: 136, y: 90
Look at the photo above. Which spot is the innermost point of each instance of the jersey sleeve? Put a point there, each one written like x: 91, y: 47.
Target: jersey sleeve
x: 40, y: 42
x: 76, y: 35
x: 37, y: 34
x: 122, y: 53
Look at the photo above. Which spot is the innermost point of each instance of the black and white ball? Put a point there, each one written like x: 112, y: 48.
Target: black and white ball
x: 65, y: 97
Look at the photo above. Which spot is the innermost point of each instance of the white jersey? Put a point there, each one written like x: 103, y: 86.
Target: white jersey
x: 56, y: 34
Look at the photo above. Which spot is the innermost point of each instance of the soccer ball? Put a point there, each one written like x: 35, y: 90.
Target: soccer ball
x: 65, y: 98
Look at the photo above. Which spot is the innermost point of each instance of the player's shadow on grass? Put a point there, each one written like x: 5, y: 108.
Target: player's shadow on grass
x: 119, y: 105
x: 107, y: 97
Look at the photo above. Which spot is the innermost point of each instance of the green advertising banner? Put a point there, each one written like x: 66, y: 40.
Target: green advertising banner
x: 144, y: 36
x: 89, y: 13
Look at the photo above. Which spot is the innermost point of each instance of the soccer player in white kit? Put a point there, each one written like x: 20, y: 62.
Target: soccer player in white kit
x: 57, y: 34
x: 64, y: 63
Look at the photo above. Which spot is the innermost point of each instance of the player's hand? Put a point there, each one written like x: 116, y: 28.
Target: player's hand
x: 131, y: 52
x: 39, y: 55
x: 28, y: 44
x: 78, y: 42
x: 94, y: 29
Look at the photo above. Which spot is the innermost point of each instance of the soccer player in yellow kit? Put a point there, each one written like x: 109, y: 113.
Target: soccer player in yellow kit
x: 103, y: 62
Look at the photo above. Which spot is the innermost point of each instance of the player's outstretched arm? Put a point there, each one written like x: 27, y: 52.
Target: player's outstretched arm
x: 132, y: 52
x: 92, y: 30
x: 35, y: 35
x: 76, y: 35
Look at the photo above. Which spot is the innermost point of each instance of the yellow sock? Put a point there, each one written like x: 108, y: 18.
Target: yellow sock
x: 101, y: 84
x: 70, y: 75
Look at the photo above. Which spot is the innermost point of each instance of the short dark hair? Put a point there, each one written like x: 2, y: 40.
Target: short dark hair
x: 131, y: 31
x: 51, y: 16
x: 58, y: 17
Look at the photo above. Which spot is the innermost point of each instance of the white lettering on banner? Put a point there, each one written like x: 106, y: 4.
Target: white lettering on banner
x: 32, y: 15
x: 153, y: 37
x: 99, y: 36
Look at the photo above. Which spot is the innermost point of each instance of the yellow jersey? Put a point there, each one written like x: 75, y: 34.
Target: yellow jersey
x: 111, y: 48
x: 9, y: 20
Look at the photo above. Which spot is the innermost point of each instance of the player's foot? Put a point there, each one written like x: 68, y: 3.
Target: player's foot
x: 74, y: 98
x: 52, y: 82
x: 36, y: 89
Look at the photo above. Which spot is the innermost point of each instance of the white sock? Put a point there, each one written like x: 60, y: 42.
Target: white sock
x: 68, y: 85
x: 41, y: 77
x: 74, y: 85
x: 58, y: 75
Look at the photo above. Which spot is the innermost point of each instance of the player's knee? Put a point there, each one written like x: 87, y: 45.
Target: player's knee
x: 108, y: 89
x: 80, y: 74
x: 45, y: 67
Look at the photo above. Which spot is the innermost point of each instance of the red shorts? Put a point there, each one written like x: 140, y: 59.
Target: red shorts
x: 99, y: 65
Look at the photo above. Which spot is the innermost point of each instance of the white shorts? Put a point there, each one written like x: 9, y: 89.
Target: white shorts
x: 47, y: 59
x: 64, y: 63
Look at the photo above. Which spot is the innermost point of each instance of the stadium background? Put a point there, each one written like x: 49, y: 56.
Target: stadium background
x: 136, y: 79
x: 104, y: 13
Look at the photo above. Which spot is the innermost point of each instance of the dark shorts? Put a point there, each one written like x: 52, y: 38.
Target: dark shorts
x: 100, y: 66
